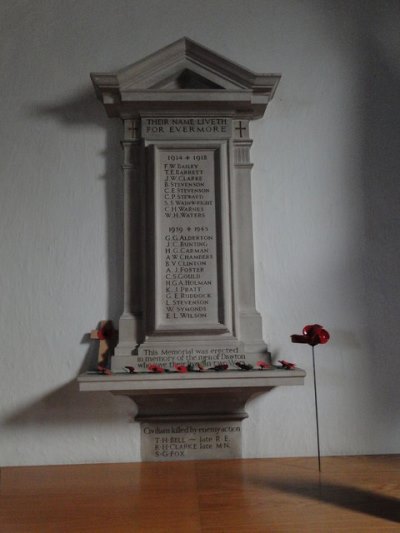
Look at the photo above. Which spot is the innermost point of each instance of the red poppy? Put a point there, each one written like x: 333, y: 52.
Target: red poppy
x: 106, y: 331
x: 313, y: 334
x: 103, y: 370
x: 180, y: 368
x: 286, y: 365
x: 155, y: 368
x: 244, y: 366
x: 219, y: 368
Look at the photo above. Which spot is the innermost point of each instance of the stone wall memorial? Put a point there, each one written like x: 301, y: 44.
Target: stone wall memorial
x: 189, y: 296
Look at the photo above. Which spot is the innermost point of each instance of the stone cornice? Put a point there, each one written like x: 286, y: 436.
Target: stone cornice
x: 181, y: 76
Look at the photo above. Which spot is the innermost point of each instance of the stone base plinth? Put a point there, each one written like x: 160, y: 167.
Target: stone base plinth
x: 194, y: 415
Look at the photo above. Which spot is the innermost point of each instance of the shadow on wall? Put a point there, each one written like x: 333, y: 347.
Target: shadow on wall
x: 375, y: 37
x: 83, y: 109
x: 380, y: 174
x: 66, y: 406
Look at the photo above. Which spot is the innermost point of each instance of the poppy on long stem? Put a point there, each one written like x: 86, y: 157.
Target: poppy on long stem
x: 313, y: 335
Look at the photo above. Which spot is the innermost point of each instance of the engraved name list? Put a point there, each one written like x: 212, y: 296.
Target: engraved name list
x: 187, y: 232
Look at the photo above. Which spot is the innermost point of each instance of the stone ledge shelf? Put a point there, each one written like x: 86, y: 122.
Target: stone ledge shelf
x: 192, y: 396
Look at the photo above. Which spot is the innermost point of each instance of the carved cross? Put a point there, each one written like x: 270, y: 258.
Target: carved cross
x: 133, y: 128
x: 241, y: 128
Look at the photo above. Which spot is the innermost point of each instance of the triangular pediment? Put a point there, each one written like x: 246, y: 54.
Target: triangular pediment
x: 166, y: 67
x: 186, y: 79
x: 189, y: 69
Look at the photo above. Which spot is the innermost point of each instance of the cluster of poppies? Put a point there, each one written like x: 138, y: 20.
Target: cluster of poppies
x: 198, y: 367
x: 313, y: 334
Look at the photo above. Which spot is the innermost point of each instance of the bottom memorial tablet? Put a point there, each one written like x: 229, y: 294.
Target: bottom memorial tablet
x: 191, y: 440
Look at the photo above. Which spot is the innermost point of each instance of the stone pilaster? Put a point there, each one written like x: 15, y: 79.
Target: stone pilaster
x: 131, y: 318
x: 248, y: 320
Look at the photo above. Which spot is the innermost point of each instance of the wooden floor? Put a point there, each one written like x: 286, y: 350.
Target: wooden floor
x: 355, y: 494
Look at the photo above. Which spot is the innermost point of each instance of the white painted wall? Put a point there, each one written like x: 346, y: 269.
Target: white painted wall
x: 326, y: 215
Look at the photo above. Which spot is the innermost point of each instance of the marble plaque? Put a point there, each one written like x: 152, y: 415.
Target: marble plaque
x: 190, y: 440
x: 191, y: 280
x: 187, y: 276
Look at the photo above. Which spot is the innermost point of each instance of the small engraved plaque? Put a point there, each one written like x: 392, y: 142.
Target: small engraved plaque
x: 190, y: 440
x: 186, y: 127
